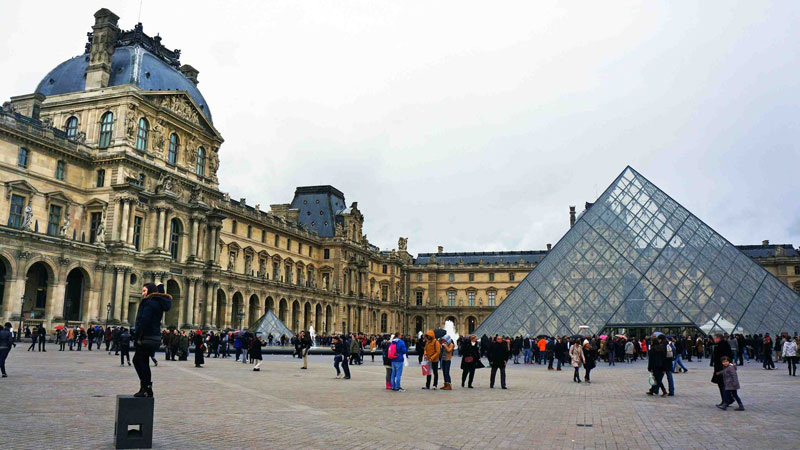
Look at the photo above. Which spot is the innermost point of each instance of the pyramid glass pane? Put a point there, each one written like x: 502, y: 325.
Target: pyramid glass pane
x: 636, y: 257
x: 268, y: 324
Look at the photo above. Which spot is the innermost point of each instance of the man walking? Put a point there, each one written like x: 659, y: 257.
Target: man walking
x: 305, y: 345
x: 677, y: 360
x: 397, y: 354
x: 498, y: 356
x: 42, y: 338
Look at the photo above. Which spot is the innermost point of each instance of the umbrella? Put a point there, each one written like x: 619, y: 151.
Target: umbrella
x: 620, y: 336
x: 59, y: 327
x: 657, y: 333
x: 603, y: 336
x: 439, y: 333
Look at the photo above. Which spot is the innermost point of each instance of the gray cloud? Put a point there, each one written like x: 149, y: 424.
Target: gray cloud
x: 475, y: 126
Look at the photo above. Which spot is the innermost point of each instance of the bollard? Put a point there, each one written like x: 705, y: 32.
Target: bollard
x: 133, y: 427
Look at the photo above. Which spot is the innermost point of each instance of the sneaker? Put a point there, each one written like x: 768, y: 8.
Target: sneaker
x: 740, y: 408
x: 400, y: 390
x: 6, y: 376
x: 722, y: 407
x: 425, y: 387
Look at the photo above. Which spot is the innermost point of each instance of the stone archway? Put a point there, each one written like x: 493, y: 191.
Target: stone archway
x: 220, y: 312
x: 252, y: 313
x: 237, y: 310
x: 419, y: 324
x: 319, y: 324
x: 39, y: 279
x: 283, y: 312
x: 329, y: 319
x: 472, y: 324
x: 306, y: 315
x: 75, y: 294
x: 5, y: 286
x: 295, y: 327
x: 269, y: 305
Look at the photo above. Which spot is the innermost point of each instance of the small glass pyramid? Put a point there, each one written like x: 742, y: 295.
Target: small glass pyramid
x: 270, y: 324
x: 638, y: 258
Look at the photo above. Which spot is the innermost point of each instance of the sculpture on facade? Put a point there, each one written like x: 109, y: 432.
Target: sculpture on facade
x: 27, y: 220
x: 100, y: 232
x: 65, y: 227
x: 231, y: 261
x: 158, y: 138
x: 262, y: 267
x: 248, y: 262
x: 130, y: 121
x: 165, y: 183
x: 402, y: 244
x: 196, y: 195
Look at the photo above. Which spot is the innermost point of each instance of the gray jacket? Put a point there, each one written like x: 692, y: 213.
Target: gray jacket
x: 729, y: 378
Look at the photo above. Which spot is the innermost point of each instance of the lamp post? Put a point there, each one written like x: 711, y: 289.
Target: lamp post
x: 21, y: 309
x: 241, y: 317
x: 108, y: 313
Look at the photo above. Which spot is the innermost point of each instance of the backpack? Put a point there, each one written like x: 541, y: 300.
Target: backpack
x: 670, y: 353
x: 393, y: 350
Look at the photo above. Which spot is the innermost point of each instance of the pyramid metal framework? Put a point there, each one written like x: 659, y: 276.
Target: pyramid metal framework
x: 638, y: 258
x: 269, y: 323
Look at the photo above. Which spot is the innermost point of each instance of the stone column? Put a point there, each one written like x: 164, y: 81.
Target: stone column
x: 126, y: 212
x: 165, y: 233
x: 116, y: 221
x: 160, y: 229
x: 126, y: 295
x: 106, y: 295
x: 207, y: 319
x: 116, y: 309
x: 131, y: 221
x: 201, y: 238
x: 189, y: 314
x: 193, y: 238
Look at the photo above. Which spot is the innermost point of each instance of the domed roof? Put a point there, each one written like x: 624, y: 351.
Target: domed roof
x: 133, y: 62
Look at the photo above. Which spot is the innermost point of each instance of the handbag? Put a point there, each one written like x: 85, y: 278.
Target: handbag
x: 469, y: 359
x: 150, y: 343
x: 426, y: 368
x: 652, y: 380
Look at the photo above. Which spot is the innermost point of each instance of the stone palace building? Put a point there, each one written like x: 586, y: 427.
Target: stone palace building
x: 109, y: 174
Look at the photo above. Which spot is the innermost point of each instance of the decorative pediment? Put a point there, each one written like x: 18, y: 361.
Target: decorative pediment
x: 249, y: 250
x: 183, y: 106
x: 288, y: 260
x: 233, y: 246
x: 20, y: 186
x: 263, y: 254
x: 58, y: 196
x: 96, y: 203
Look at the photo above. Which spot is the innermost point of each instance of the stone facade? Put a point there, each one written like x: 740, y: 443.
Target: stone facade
x: 111, y: 186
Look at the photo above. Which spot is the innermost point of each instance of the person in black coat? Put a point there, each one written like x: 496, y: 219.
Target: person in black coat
x: 197, y: 340
x: 470, y: 360
x: 154, y: 304
x: 42, y: 337
x: 255, y: 352
x: 6, y: 342
x: 498, y: 356
x: 657, y: 364
x: 721, y: 348
x: 124, y: 347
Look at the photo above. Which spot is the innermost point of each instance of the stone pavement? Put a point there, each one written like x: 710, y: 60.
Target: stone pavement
x: 66, y: 400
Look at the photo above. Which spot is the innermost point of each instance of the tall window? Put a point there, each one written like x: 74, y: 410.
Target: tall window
x: 94, y: 222
x: 797, y: 270
x: 61, y: 169
x: 172, y: 153
x: 384, y: 268
x: 276, y: 242
x: 249, y: 231
x: 174, y: 238
x: 419, y: 277
x: 54, y: 220
x: 137, y: 232
x: 288, y: 244
x: 326, y: 253
x: 385, y: 293
x: 263, y: 236
x: 101, y: 177
x: 234, y: 226
x: 452, y: 276
x: 201, y: 162
x: 471, y: 276
x: 418, y: 297
x: 383, y: 322
x: 22, y: 158
x: 299, y: 247
x: 141, y: 135
x: 451, y: 298
x: 106, y: 129
x: 511, y: 276
x: 491, y: 276
x: 71, y: 127
x: 491, y: 297
x: 16, y: 215
x: 471, y: 298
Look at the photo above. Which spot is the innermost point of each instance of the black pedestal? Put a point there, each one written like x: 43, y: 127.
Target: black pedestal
x: 134, y: 422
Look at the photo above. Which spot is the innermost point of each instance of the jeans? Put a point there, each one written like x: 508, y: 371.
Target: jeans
x: 3, y: 356
x: 123, y: 353
x: 435, y: 373
x: 516, y: 358
x: 658, y: 375
x: 612, y: 357
x: 791, y: 362
x: 446, y: 371
x: 768, y: 363
x: 730, y: 396
x: 527, y: 355
x: 336, y: 361
x: 42, y: 342
x: 397, y: 373
x: 345, y: 367
x: 677, y: 362
x: 670, y: 383
x: 735, y: 355
x: 141, y: 362
x: 588, y: 370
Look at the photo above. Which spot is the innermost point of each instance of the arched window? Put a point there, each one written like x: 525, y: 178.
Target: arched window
x: 201, y: 161
x: 106, y: 129
x: 141, y: 135
x: 174, y: 238
x: 172, y: 154
x: 383, y: 322
x: 71, y: 127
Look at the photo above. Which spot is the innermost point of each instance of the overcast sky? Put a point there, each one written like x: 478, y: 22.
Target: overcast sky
x: 475, y: 125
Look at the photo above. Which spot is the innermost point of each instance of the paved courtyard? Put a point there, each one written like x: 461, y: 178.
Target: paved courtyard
x: 66, y: 400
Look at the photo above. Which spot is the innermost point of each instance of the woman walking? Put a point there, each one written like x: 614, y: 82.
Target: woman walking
x: 446, y: 359
x: 590, y: 360
x: 155, y: 302
x: 199, y: 360
x: 790, y: 355
x: 470, y: 360
x: 577, y: 358
x: 255, y: 353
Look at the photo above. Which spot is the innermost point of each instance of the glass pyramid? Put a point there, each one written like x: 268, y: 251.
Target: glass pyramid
x: 638, y: 258
x: 270, y: 324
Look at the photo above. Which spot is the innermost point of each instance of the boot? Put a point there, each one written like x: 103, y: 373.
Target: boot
x: 447, y: 387
x: 388, y: 386
x: 142, y: 390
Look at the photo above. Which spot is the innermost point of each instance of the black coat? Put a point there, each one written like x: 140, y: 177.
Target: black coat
x: 657, y: 358
x: 721, y: 349
x: 255, y: 349
x: 151, y: 310
x: 470, y: 350
x: 498, y: 353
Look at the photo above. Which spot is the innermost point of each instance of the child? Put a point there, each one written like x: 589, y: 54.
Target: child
x: 731, y: 381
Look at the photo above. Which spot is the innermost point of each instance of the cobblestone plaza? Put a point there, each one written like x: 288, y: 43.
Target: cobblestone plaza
x: 67, y: 400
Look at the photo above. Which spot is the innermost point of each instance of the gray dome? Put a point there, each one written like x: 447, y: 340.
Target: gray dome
x: 131, y: 64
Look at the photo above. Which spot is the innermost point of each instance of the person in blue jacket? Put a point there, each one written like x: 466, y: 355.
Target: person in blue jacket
x: 397, y: 361
x: 155, y: 302
x: 6, y: 342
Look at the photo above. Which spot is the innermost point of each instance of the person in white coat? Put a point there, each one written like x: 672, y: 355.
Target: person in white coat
x: 789, y: 351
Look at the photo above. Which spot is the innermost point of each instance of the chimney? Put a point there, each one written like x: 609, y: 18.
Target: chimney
x: 571, y: 216
x: 549, y: 246
x: 190, y: 73
x: 104, y: 38
x: 28, y: 105
x: 765, y: 242
x: 440, y: 250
